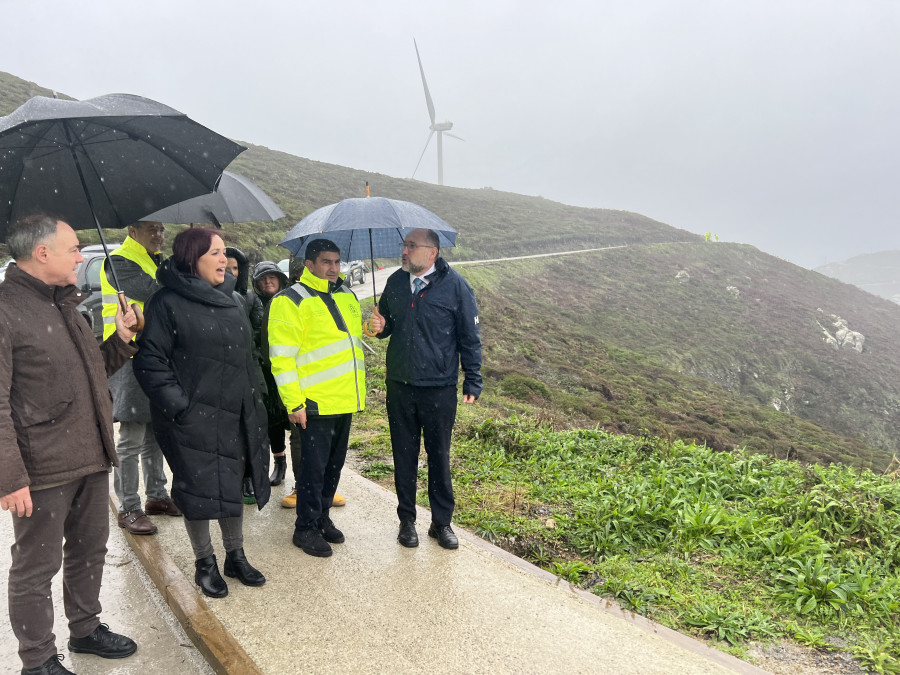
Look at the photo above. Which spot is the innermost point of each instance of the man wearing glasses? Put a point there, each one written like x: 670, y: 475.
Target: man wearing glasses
x: 429, y: 311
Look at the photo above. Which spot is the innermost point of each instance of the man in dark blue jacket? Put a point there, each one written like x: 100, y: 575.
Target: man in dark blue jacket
x: 429, y: 312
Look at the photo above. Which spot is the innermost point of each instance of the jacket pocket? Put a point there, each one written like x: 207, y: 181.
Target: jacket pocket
x: 36, y: 412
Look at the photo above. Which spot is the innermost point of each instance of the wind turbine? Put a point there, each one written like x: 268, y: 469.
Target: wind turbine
x: 440, y: 127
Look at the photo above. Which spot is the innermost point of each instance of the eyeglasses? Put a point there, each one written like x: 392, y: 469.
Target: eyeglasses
x: 412, y: 246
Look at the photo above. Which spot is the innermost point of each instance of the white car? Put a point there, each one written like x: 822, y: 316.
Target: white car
x: 354, y: 270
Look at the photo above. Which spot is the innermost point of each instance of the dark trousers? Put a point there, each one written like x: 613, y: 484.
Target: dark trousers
x: 276, y: 438
x: 324, y: 449
x: 414, y: 413
x: 69, y: 528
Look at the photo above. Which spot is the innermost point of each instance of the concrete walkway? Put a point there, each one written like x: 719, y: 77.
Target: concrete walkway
x: 376, y: 607
x: 131, y: 605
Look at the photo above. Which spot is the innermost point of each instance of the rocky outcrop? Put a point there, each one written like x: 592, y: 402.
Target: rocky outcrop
x: 842, y: 337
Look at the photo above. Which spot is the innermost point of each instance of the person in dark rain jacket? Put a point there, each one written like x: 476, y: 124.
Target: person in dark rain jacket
x: 239, y: 266
x: 430, y: 314
x: 196, y: 365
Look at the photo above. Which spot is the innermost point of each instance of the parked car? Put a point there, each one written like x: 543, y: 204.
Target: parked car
x: 3, y: 269
x: 88, y: 280
x: 354, y: 270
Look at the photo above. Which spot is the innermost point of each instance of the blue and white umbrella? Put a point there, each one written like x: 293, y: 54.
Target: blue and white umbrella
x: 366, y: 228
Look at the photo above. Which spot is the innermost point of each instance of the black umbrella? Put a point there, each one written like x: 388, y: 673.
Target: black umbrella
x: 104, y: 162
x: 236, y: 199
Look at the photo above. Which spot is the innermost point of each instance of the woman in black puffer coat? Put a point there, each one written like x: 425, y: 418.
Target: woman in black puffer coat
x: 196, y: 365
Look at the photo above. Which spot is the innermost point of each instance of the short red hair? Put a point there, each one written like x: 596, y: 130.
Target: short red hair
x: 191, y: 245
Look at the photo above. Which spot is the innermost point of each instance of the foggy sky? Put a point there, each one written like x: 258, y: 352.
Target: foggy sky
x: 773, y: 123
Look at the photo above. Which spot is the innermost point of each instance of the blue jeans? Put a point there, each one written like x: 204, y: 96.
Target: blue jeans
x: 136, y: 441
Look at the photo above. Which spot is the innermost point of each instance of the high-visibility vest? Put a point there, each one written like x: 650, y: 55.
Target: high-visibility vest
x: 316, y: 355
x: 130, y: 250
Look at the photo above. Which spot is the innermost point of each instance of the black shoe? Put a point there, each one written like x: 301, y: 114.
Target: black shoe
x: 312, y: 542
x: 407, y: 536
x: 209, y: 580
x: 277, y: 477
x: 247, y: 493
x: 444, y: 535
x: 329, y: 532
x: 52, y: 666
x: 236, y: 565
x: 103, y: 642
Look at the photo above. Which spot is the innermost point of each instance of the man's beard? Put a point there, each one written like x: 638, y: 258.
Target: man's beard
x: 414, y: 269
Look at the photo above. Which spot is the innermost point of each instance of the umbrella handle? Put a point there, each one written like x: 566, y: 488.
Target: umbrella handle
x: 367, y: 330
x: 138, y: 314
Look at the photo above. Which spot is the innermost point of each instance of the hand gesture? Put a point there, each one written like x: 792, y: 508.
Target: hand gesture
x: 129, y: 319
x: 376, y: 323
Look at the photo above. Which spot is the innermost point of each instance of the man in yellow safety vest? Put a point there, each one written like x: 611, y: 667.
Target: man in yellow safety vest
x: 315, y: 347
x: 135, y: 264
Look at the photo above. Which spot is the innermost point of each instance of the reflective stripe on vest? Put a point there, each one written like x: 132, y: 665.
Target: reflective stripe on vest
x: 331, y: 373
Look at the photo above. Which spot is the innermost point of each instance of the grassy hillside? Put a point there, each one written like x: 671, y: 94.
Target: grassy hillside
x: 14, y: 91
x: 613, y: 338
x: 631, y: 347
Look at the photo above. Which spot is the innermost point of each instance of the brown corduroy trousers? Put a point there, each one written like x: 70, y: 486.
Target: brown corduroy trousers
x: 68, y: 527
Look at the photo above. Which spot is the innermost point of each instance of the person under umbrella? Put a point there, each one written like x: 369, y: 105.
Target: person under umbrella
x: 429, y: 312
x: 268, y: 281
x: 196, y: 365
x: 56, y: 444
x: 135, y: 262
x: 315, y: 347
x: 239, y: 267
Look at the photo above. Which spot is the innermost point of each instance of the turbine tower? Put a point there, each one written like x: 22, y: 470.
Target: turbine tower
x: 440, y: 127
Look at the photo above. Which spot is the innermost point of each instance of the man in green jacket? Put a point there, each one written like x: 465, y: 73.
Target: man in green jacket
x: 315, y: 348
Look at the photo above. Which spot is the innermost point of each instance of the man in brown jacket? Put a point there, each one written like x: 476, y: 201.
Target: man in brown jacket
x: 56, y: 444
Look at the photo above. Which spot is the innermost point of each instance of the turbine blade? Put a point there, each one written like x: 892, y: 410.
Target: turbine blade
x: 430, y: 134
x: 425, y: 84
x: 454, y: 136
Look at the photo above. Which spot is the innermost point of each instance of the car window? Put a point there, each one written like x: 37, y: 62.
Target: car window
x: 93, y: 271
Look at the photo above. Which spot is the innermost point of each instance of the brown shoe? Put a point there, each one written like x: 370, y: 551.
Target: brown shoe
x: 161, y: 507
x: 136, y: 522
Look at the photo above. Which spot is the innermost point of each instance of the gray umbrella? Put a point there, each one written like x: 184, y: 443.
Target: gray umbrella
x: 236, y: 200
x: 104, y: 162
x: 366, y: 227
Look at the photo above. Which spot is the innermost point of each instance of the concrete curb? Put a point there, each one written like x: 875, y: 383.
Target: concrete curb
x: 223, y: 653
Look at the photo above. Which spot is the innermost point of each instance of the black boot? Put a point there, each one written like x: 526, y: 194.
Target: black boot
x: 236, y: 565
x: 52, y: 666
x: 277, y: 477
x: 247, y: 491
x: 209, y: 580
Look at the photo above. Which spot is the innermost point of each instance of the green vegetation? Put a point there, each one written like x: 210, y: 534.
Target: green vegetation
x: 630, y: 347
